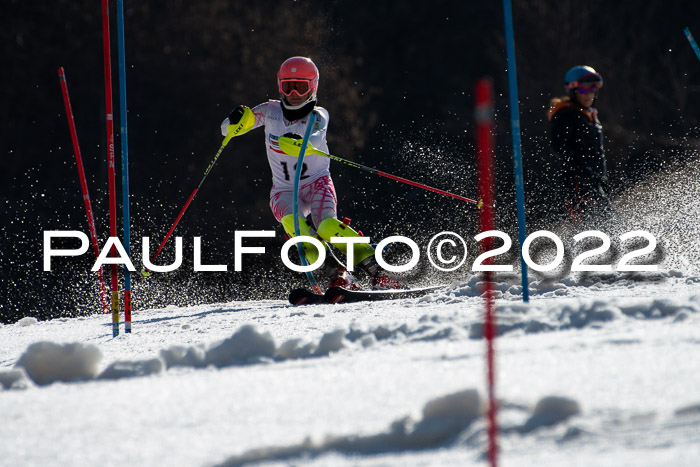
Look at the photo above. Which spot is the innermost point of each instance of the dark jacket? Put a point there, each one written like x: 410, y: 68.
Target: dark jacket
x: 576, y: 140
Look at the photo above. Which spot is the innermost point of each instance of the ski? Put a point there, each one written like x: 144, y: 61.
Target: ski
x: 341, y: 295
x: 305, y: 297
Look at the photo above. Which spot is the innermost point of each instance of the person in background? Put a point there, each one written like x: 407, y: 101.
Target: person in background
x: 576, y: 141
x: 297, y: 81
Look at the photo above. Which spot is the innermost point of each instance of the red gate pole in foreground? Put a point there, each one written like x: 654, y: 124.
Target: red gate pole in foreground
x: 83, y: 182
x: 484, y: 156
x: 110, y: 162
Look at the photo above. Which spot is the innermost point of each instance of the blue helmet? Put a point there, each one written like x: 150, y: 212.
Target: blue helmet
x: 582, y: 76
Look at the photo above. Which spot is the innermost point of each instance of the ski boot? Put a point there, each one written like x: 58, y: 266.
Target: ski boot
x: 336, y: 273
x: 341, y: 277
x: 381, y: 279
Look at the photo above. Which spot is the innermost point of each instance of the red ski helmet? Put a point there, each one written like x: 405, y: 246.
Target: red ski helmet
x: 298, y: 75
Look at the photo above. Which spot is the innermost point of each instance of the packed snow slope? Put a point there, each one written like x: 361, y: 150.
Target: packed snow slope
x: 589, y: 373
x: 596, y: 370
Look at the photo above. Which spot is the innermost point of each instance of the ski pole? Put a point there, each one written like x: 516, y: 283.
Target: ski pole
x: 693, y: 44
x: 83, y: 184
x: 233, y: 132
x: 291, y: 147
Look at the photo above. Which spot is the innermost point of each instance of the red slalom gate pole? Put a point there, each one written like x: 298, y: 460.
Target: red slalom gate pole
x: 83, y: 184
x: 484, y: 151
x: 110, y: 162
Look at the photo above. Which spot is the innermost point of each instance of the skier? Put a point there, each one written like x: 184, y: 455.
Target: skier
x: 297, y: 81
x: 576, y: 141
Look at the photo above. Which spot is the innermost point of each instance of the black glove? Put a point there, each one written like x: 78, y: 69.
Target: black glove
x: 292, y: 135
x: 236, y: 114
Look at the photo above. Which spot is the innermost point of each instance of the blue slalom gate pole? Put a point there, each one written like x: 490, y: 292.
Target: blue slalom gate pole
x: 297, y: 177
x: 125, y: 163
x: 693, y: 44
x: 515, y: 130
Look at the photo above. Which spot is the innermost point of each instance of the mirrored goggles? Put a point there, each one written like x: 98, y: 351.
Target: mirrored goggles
x: 301, y: 87
x: 588, y: 81
x: 588, y: 88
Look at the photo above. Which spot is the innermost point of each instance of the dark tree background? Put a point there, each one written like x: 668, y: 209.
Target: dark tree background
x: 396, y: 77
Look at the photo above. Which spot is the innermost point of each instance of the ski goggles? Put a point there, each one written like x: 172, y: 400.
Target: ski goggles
x: 593, y: 87
x: 290, y: 86
x: 587, y: 83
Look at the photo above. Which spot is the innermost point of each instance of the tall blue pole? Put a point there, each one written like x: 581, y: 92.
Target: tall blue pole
x: 515, y: 130
x: 693, y: 44
x: 125, y: 162
x: 297, y: 177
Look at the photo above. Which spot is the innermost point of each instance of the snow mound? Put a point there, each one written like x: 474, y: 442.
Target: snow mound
x: 444, y: 418
x: 243, y: 346
x: 688, y: 411
x: 508, y: 286
x: 119, y: 370
x: 47, y: 362
x: 27, y: 321
x: 331, y: 342
x: 447, y: 420
x: 549, y: 411
x: 14, y: 379
x: 179, y: 355
x: 465, y: 405
x: 583, y: 313
x: 295, y: 348
x: 248, y: 346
